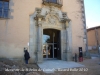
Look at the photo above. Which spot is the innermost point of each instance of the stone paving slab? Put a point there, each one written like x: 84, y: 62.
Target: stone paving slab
x: 48, y: 66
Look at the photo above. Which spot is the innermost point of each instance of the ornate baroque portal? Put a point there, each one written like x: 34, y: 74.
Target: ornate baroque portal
x: 49, y: 17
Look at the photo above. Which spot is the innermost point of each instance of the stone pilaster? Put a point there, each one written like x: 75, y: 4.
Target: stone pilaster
x: 38, y: 19
x: 32, y: 40
x: 69, y: 53
x: 64, y: 37
x: 39, y: 42
x: 63, y: 41
x: 62, y: 45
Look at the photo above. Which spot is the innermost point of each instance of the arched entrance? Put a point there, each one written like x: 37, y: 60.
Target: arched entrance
x: 51, y: 44
x: 51, y: 24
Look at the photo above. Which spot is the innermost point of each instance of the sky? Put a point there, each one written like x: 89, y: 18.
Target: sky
x: 92, y: 11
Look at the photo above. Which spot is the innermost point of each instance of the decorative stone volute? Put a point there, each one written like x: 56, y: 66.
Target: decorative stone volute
x: 65, y: 18
x: 64, y: 14
x: 38, y: 15
x: 38, y: 10
x: 53, y: 17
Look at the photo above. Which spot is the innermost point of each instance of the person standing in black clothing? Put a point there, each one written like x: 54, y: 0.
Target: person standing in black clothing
x: 26, y: 56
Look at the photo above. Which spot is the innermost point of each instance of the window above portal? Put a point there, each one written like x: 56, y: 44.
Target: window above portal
x: 57, y: 3
x: 4, y: 8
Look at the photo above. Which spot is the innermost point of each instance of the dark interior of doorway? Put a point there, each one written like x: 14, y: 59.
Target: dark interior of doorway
x: 55, y: 40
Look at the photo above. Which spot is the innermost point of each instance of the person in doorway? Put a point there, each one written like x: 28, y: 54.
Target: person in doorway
x: 80, y: 56
x: 26, y: 56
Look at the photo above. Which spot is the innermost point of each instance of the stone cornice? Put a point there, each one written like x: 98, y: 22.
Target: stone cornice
x: 64, y: 20
x: 39, y: 16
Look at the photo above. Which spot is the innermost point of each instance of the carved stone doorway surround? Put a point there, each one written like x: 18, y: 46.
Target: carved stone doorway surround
x: 44, y: 18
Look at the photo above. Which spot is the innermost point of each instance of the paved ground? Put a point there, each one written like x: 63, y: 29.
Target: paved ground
x: 92, y: 67
x: 49, y: 66
x: 95, y: 55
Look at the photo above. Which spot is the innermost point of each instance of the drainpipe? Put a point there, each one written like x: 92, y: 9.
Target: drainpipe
x: 87, y: 52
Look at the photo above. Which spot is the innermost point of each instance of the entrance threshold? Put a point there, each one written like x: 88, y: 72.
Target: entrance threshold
x: 50, y: 66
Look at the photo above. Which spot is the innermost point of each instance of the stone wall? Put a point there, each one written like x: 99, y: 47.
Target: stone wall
x: 15, y: 31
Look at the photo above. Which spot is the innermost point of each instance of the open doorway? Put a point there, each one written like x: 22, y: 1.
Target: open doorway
x: 51, y: 44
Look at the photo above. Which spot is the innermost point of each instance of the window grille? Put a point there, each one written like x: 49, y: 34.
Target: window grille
x: 4, y: 8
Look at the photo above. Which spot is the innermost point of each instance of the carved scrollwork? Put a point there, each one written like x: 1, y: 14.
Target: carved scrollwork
x: 38, y: 10
x: 53, y: 16
x: 52, y: 20
x: 38, y: 15
x: 64, y: 14
x: 64, y: 19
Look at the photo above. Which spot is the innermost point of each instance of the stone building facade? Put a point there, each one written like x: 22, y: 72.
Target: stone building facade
x: 26, y: 22
x: 93, y: 35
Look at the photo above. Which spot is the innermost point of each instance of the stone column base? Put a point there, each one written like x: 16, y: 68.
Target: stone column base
x: 64, y: 56
x: 69, y: 56
x: 39, y: 57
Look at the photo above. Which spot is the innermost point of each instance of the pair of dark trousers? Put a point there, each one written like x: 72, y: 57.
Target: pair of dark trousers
x: 26, y: 61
